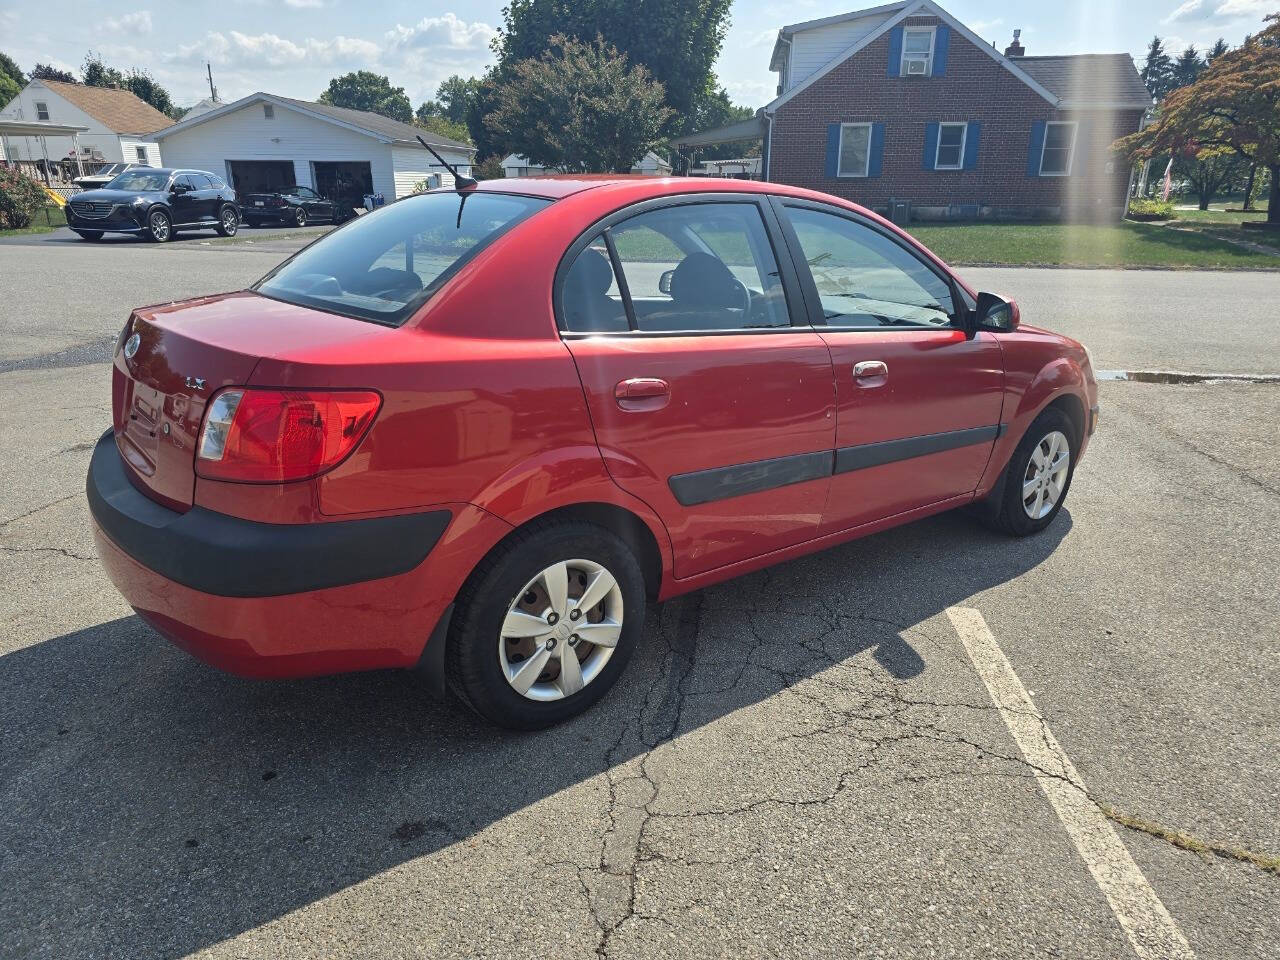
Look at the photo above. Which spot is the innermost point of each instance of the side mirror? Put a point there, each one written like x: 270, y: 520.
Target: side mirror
x: 664, y: 282
x: 995, y: 313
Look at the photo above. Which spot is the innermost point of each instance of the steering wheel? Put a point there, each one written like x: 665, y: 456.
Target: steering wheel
x: 746, y: 296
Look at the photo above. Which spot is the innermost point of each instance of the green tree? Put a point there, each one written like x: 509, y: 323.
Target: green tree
x: 490, y: 168
x: 1235, y: 104
x: 675, y: 40
x: 44, y: 71
x: 1207, y: 171
x: 436, y: 122
x: 1187, y: 68
x: 9, y: 68
x: 8, y: 89
x: 580, y: 107
x: 363, y: 90
x: 1157, y: 71
x: 1217, y: 50
x: 454, y: 96
x: 97, y: 73
x: 718, y: 110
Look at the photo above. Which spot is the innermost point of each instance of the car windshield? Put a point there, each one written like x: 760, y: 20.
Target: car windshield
x: 110, y: 170
x: 139, y: 180
x: 384, y: 265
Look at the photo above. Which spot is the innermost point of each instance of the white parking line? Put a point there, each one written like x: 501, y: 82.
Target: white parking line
x: 1152, y: 932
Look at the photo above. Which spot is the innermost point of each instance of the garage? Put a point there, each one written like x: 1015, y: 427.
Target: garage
x: 260, y: 176
x: 263, y: 143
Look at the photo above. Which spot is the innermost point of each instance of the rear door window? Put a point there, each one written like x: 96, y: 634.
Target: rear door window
x: 384, y: 265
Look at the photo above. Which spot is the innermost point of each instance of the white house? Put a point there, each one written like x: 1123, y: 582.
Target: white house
x: 262, y: 142
x: 117, y: 126
x: 515, y: 165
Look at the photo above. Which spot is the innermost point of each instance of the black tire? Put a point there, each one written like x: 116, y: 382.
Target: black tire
x: 157, y: 233
x: 88, y: 234
x: 228, y: 221
x: 300, y: 218
x: 1005, y: 511
x: 472, y: 665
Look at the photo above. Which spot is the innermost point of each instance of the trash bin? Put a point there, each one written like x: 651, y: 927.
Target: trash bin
x: 372, y: 200
x: 900, y: 212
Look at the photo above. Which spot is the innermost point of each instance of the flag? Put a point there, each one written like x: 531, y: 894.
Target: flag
x: 1168, y: 181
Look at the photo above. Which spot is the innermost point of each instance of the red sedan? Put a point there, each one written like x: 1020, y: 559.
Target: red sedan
x: 473, y: 432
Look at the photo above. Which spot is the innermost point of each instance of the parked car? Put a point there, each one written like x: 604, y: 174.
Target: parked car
x: 104, y: 175
x: 155, y: 204
x: 295, y: 206
x: 469, y: 432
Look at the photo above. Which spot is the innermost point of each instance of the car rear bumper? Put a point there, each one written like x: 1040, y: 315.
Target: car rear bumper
x: 264, y: 599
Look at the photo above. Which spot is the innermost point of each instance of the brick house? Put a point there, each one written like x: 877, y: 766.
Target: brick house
x: 903, y: 102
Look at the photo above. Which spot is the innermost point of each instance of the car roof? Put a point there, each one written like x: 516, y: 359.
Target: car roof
x: 555, y: 186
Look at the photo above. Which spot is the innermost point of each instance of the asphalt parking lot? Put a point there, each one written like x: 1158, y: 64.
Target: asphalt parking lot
x: 934, y: 742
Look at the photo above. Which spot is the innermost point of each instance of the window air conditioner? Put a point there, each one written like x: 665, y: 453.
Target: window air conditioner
x: 917, y: 67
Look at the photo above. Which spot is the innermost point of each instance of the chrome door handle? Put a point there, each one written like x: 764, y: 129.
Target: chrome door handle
x: 642, y: 393
x: 867, y: 369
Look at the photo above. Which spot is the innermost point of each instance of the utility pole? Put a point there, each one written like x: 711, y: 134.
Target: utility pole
x: 213, y: 91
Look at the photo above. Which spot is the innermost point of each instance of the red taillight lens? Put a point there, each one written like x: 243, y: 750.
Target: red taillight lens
x: 272, y: 436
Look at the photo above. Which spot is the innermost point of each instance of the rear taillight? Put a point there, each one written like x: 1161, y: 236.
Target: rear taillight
x: 272, y: 436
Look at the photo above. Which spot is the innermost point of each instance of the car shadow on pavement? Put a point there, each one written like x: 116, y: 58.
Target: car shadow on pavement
x: 152, y: 806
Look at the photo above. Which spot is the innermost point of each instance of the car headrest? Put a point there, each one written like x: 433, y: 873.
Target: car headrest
x: 701, y: 280
x: 591, y: 274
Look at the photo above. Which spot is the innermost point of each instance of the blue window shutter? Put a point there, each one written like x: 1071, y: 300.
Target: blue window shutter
x: 876, y: 160
x: 971, y: 138
x: 895, y: 51
x: 1035, y: 149
x: 930, y: 145
x: 833, y: 149
x: 1080, y: 149
x: 941, y: 41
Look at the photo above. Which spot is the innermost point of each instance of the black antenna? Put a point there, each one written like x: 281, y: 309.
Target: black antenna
x: 460, y: 182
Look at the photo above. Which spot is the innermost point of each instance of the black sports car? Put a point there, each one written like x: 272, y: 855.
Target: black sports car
x: 155, y: 204
x: 294, y: 205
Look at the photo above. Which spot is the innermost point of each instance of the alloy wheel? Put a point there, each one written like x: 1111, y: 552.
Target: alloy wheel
x: 159, y: 226
x: 1046, y: 474
x: 560, y: 630
x: 230, y: 222
x: 302, y: 218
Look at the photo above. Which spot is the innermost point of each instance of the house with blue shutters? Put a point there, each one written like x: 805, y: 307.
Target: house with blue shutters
x: 902, y: 104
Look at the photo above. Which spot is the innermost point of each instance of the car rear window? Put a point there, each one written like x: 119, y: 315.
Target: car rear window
x: 384, y: 265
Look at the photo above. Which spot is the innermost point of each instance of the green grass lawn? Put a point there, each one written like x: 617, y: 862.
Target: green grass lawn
x: 1088, y: 245
x: 50, y: 218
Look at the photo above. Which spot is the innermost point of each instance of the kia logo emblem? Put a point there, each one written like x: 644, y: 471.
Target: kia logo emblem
x: 131, y: 346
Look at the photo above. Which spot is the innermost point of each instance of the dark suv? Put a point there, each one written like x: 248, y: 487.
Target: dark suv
x: 155, y: 204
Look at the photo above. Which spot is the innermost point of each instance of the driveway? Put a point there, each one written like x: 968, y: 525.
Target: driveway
x: 925, y: 743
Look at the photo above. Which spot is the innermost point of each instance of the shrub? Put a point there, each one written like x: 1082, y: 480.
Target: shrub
x: 1142, y: 209
x: 21, y: 198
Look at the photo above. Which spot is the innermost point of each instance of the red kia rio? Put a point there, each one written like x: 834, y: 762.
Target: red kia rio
x: 474, y: 431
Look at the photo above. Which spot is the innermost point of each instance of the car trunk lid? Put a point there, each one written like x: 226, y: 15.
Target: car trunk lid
x: 175, y: 357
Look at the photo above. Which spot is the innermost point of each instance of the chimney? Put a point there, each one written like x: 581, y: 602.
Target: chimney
x: 1015, y: 49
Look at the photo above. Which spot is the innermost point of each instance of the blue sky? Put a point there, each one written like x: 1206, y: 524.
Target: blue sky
x: 293, y: 47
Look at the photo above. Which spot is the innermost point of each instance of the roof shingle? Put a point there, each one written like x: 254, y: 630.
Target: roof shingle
x: 1088, y: 78
x: 117, y: 110
x: 374, y: 123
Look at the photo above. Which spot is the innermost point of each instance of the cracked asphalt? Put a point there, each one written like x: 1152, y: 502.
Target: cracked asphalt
x: 800, y: 763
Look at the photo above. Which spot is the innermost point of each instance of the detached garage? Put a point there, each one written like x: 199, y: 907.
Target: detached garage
x: 263, y: 142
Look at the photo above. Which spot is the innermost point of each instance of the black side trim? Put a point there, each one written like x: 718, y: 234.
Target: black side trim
x: 875, y: 454
x: 231, y: 557
x: 720, y: 483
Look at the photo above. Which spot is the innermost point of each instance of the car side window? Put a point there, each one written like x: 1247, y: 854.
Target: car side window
x: 701, y: 266
x: 308, y: 194
x: 590, y: 299
x: 185, y: 181
x: 201, y: 181
x: 865, y: 280
x: 217, y: 182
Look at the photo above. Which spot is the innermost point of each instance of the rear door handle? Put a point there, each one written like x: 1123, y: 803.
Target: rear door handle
x: 642, y: 393
x: 870, y: 369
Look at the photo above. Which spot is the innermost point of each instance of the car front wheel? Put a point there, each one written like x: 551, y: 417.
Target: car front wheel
x: 300, y: 217
x: 228, y: 222
x: 546, y: 624
x: 159, y: 226
x: 1038, y: 476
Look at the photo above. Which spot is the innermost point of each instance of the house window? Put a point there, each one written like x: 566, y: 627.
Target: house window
x: 269, y: 111
x: 855, y: 149
x: 950, y: 155
x: 917, y: 52
x: 42, y: 110
x: 141, y: 153
x: 1059, y: 139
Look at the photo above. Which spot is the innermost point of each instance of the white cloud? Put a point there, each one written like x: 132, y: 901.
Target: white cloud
x: 304, y: 4
x: 985, y: 28
x: 269, y: 50
x: 447, y: 32
x: 1219, y: 10
x: 137, y: 22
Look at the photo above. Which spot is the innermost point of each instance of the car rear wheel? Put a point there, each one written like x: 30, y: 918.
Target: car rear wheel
x: 159, y: 226
x: 1038, y: 476
x: 89, y: 234
x: 546, y: 624
x: 228, y: 222
x: 300, y: 217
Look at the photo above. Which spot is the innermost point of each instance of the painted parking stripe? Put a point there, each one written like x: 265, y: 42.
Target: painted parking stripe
x: 1152, y: 932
